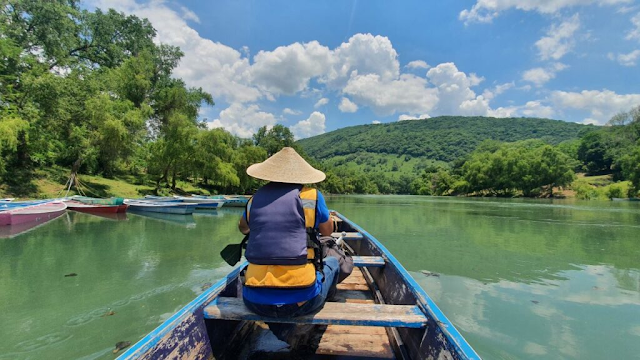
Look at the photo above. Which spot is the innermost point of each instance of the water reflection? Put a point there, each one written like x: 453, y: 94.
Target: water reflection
x: 142, y: 270
x: 521, y: 279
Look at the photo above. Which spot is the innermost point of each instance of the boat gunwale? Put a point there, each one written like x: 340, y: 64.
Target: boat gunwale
x: 423, y: 300
x: 156, y: 335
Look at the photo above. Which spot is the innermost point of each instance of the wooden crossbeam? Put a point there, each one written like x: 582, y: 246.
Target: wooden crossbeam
x: 368, y: 261
x: 409, y: 316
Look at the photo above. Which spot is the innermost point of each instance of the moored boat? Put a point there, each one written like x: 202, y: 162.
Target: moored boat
x: 235, y: 201
x: 19, y: 204
x: 93, y: 208
x: 202, y: 203
x: 185, y: 220
x: 35, y: 213
x: 11, y: 231
x: 378, y: 312
x: 160, y: 198
x: 161, y: 207
x: 99, y: 201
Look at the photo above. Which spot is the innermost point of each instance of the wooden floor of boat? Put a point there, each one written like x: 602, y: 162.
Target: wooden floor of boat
x: 333, y: 341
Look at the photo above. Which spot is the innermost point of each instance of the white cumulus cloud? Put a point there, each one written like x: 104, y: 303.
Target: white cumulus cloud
x: 219, y: 69
x: 312, y: 126
x: 288, y: 111
x: 454, y: 91
x: 497, y: 90
x: 243, y: 120
x: 559, y: 40
x: 418, y: 64
x: 407, y: 93
x: 288, y: 69
x: 630, y: 59
x: 405, y: 117
x: 634, y: 33
x: 347, y: 106
x: 363, y: 54
x: 321, y: 102
x: 540, y: 76
x: 601, y: 105
x: 484, y: 11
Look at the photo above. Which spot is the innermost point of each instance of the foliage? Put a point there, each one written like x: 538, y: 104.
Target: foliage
x: 631, y: 169
x: 529, y: 166
x: 92, y: 91
x: 445, y: 138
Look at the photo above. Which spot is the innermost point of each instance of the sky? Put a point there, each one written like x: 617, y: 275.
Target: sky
x: 316, y: 66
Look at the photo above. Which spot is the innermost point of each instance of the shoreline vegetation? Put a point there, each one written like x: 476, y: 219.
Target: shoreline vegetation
x: 77, y: 99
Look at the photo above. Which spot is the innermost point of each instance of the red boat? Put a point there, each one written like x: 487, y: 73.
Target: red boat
x: 95, y: 208
x: 40, y: 212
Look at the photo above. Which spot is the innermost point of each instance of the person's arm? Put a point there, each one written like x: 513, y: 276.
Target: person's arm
x: 243, y: 226
x: 325, y: 226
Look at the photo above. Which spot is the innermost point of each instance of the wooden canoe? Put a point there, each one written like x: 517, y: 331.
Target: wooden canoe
x: 33, y: 213
x: 379, y: 312
x: 93, y: 208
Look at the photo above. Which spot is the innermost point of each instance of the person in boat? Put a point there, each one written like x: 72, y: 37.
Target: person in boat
x: 287, y: 276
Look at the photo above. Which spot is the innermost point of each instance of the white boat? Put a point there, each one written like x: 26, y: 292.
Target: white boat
x: 203, y: 203
x: 161, y: 207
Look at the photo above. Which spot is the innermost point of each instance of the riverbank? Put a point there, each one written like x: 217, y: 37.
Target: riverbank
x: 50, y: 183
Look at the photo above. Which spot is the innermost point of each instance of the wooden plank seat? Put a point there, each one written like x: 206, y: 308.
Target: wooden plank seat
x: 348, y: 236
x: 368, y: 261
x: 409, y: 316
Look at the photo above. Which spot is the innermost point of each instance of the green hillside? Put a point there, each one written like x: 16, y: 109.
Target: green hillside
x: 444, y: 138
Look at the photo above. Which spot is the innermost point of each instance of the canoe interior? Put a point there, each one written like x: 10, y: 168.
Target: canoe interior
x: 188, y: 335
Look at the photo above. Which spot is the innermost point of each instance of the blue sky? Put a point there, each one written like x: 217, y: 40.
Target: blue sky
x: 318, y: 66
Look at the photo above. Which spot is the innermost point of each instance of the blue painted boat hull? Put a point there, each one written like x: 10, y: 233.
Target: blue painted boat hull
x: 179, y: 209
x: 188, y: 334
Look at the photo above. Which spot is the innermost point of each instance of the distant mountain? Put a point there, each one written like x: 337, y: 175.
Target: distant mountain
x: 443, y: 138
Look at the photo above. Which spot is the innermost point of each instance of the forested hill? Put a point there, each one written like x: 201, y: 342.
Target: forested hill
x: 444, y: 138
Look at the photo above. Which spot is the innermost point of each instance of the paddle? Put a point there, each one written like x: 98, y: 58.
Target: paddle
x: 233, y: 252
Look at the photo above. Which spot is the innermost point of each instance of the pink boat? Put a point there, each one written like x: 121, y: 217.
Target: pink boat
x: 37, y: 213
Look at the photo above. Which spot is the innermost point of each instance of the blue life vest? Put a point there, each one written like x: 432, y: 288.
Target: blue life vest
x: 281, y: 217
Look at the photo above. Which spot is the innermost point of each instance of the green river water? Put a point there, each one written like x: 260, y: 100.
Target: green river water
x: 521, y: 279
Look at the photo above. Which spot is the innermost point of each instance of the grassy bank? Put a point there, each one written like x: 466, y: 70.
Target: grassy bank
x: 50, y: 183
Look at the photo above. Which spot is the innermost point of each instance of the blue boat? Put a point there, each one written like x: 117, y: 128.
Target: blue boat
x: 379, y: 312
x: 160, y: 198
x: 202, y: 203
x: 161, y: 207
x: 8, y: 205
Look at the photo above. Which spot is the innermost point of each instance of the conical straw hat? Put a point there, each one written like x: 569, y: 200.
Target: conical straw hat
x: 286, y: 166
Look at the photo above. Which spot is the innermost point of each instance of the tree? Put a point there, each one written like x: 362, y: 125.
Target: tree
x: 593, y: 153
x: 631, y: 169
x: 274, y: 139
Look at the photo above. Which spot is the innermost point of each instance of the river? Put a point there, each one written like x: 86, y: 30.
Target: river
x: 520, y: 279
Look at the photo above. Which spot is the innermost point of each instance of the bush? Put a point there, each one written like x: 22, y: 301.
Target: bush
x: 617, y: 190
x: 584, y: 191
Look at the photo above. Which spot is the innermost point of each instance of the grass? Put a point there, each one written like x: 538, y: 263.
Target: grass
x: 597, y: 181
x: 50, y: 183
